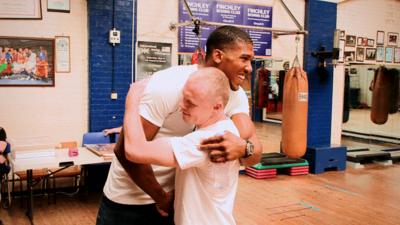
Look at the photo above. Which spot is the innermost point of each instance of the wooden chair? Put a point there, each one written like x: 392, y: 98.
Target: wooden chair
x: 38, y: 175
x: 72, y: 171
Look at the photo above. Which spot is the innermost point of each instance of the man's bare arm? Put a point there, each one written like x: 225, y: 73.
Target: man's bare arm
x: 230, y: 147
x: 143, y: 174
x: 248, y: 132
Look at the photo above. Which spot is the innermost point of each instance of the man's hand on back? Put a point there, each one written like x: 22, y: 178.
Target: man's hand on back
x: 165, y: 205
x: 224, y: 147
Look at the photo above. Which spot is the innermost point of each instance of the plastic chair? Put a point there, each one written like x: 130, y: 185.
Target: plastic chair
x: 95, y: 138
x: 4, y: 181
x: 94, y: 173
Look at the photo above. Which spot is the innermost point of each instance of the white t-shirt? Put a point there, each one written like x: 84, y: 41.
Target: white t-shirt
x: 204, y: 191
x: 160, y: 106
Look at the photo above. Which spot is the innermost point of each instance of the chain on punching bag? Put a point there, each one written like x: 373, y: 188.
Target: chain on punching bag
x: 381, y: 91
x: 294, y: 113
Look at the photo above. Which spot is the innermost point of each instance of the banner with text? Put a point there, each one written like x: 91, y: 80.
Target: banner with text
x: 228, y: 13
x: 152, y: 57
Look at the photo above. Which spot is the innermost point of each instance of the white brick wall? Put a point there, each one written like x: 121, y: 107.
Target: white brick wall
x: 55, y: 113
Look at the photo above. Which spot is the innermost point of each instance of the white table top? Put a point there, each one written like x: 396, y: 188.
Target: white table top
x: 84, y: 157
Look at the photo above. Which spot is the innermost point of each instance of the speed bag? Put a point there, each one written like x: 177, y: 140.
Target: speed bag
x: 381, y: 91
x: 294, y: 113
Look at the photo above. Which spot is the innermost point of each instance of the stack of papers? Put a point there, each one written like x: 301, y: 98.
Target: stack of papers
x: 104, y: 150
x: 34, y: 153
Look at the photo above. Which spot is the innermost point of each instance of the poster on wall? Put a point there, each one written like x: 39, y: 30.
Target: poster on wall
x: 21, y: 9
x: 58, y: 6
x: 227, y: 13
x: 26, y: 61
x: 63, y: 57
x: 152, y: 57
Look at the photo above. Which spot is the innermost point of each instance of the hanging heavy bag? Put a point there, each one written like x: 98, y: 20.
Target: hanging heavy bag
x: 294, y: 113
x: 394, y: 91
x: 281, y: 82
x: 262, y: 88
x: 198, y: 56
x: 346, y: 97
x: 381, y: 90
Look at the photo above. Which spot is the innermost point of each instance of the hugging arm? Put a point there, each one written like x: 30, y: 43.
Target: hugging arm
x: 137, y: 148
x: 142, y: 174
x: 230, y: 147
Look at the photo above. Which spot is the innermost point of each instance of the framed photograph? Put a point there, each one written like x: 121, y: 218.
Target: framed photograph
x: 392, y: 39
x: 380, y: 54
x: 370, y: 54
x: 63, y: 56
x: 360, y: 54
x: 341, y: 50
x: 58, y: 6
x: 359, y: 41
x: 349, y: 56
x: 380, y: 37
x: 397, y: 55
x: 365, y: 41
x: 21, y: 9
x: 371, y: 42
x: 342, y: 34
x: 350, y: 40
x: 26, y: 61
x: 388, y: 55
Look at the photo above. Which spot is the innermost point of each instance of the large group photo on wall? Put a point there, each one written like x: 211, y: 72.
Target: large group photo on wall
x: 26, y: 61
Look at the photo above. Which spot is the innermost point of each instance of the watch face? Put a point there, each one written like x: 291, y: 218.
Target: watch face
x: 249, y: 149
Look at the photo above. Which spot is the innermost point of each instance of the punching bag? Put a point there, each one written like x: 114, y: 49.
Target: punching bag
x: 198, y: 56
x: 381, y: 91
x: 346, y: 97
x: 294, y: 113
x: 394, y: 91
x: 282, y: 74
x: 262, y: 88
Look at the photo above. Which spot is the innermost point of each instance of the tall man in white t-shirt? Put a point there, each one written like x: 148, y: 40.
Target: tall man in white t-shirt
x: 132, y: 191
x: 204, y: 191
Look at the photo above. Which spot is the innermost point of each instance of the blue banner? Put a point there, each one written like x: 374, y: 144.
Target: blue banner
x: 188, y: 41
x: 201, y: 9
x: 259, y: 16
x: 261, y: 42
x: 227, y: 13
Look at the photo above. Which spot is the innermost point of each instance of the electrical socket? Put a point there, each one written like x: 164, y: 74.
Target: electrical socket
x: 114, y: 95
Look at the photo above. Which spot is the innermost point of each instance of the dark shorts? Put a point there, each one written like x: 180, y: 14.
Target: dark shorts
x: 111, y: 213
x: 4, y: 169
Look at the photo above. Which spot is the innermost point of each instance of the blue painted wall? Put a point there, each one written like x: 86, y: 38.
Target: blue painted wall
x: 103, y: 111
x: 321, y: 23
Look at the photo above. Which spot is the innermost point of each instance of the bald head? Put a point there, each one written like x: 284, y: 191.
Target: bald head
x: 211, y: 83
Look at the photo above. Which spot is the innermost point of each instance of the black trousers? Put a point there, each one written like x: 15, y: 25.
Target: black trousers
x: 111, y: 213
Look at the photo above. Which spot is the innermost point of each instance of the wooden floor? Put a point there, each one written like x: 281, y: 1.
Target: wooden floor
x: 356, y: 196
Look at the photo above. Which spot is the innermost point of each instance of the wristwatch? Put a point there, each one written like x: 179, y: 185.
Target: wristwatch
x: 249, y: 149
